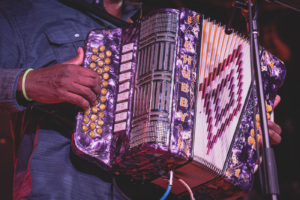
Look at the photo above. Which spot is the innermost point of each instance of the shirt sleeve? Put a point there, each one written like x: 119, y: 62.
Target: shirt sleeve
x: 12, y: 61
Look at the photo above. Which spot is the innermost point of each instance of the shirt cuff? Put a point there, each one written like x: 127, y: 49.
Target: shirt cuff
x: 8, y: 91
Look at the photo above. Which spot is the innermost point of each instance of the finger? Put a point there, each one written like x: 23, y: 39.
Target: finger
x: 85, y: 92
x: 274, y: 127
x: 274, y: 137
x: 77, y: 100
x: 276, y: 102
x: 90, y: 83
x: 87, y: 73
x: 78, y: 59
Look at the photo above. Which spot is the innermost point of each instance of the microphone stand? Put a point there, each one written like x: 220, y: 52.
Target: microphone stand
x: 268, y: 173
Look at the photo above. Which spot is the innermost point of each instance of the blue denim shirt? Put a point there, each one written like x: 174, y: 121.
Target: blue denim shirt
x: 35, y: 34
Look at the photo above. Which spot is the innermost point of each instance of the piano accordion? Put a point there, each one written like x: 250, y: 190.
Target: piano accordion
x: 175, y: 94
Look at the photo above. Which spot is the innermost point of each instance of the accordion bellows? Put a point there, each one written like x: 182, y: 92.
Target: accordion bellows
x: 176, y: 94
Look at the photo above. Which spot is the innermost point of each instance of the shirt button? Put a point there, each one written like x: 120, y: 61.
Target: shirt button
x: 76, y: 35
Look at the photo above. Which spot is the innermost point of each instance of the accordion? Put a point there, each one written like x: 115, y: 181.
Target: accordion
x: 175, y: 94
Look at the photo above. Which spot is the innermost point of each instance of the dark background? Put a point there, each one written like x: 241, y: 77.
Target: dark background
x: 280, y: 32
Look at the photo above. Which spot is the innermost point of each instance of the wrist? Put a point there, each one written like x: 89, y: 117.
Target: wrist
x: 22, y: 86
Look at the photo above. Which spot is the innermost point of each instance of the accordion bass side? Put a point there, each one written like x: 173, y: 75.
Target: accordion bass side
x: 175, y: 94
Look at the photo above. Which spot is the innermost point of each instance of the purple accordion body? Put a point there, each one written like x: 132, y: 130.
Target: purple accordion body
x: 176, y: 94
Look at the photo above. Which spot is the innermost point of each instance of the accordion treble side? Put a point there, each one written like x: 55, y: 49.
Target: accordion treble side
x: 176, y: 94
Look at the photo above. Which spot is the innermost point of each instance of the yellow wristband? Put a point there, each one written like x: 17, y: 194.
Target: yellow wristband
x: 23, y: 84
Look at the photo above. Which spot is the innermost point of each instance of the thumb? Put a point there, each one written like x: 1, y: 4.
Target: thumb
x: 78, y: 59
x: 276, y: 102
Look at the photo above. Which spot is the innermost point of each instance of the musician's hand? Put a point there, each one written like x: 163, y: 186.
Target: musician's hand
x: 65, y: 82
x: 274, y: 129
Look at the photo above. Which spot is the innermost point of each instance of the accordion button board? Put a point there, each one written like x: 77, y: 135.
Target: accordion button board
x: 175, y: 93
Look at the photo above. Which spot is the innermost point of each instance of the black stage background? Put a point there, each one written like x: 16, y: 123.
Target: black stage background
x: 280, y: 34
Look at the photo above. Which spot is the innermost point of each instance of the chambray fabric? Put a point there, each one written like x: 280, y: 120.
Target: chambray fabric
x: 36, y: 34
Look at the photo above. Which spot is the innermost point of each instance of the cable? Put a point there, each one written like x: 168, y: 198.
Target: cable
x: 188, y: 188
x: 169, y: 187
x: 118, y: 189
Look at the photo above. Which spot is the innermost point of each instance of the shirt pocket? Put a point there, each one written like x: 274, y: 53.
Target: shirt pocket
x: 65, y: 42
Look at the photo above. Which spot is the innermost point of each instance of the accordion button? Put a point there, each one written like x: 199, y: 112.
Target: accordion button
x: 100, y: 122
x: 107, y: 61
x: 100, y: 63
x: 93, y: 117
x: 101, y: 55
x: 106, y: 68
x: 103, y: 99
x: 104, y: 83
x: 104, y: 91
x: 102, y: 107
x: 102, y: 48
x: 257, y: 117
x: 86, y: 120
x: 84, y: 128
x: 269, y: 108
x: 257, y: 125
x: 108, y: 53
x: 99, y: 71
x: 251, y: 140
x: 92, y: 134
x: 94, y: 109
x: 105, y: 76
x: 93, y: 57
x: 101, y: 115
x: 99, y: 131
x: 268, y: 116
x: 92, y: 125
x: 94, y: 50
x: 87, y: 111
x: 93, y: 65
x: 252, y: 132
x: 258, y: 137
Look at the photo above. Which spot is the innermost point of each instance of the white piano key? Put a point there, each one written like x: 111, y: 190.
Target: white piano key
x: 120, y: 127
x: 125, y: 67
x: 121, y: 116
x: 123, y: 96
x: 124, y: 86
x: 122, y: 106
x: 124, y: 77
x: 127, y: 47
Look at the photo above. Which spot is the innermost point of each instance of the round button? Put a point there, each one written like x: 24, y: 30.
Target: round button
x: 99, y: 71
x: 94, y: 109
x: 269, y: 108
x: 93, y: 65
x: 258, y: 137
x: 257, y: 125
x: 101, y: 55
x: 86, y: 120
x: 107, y: 61
x: 84, y: 128
x: 102, y: 48
x: 92, y: 125
x: 102, y: 107
x: 93, y: 117
x: 94, y: 50
x: 100, y: 122
x: 257, y: 117
x: 100, y: 63
x: 92, y: 134
x: 105, y: 76
x: 101, y: 115
x: 102, y: 99
x: 251, y: 140
x: 93, y: 57
x: 99, y: 131
x: 104, y: 83
x: 106, y: 68
x: 252, y: 132
x: 108, y: 53
x: 268, y: 116
x: 87, y: 112
x: 104, y: 91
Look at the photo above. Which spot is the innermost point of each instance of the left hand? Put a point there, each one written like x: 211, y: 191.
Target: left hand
x: 274, y: 129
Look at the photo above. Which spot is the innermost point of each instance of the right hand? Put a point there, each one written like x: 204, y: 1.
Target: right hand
x: 65, y: 82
